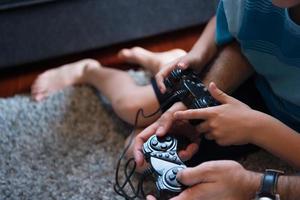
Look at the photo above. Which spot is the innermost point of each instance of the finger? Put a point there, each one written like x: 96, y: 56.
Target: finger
x: 191, y: 193
x: 140, y: 139
x: 203, y: 127
x: 166, y: 120
x: 150, y: 197
x: 183, y: 196
x: 195, y: 175
x: 162, y: 74
x: 219, y: 95
x: 203, y: 191
x: 137, y: 152
x: 188, y: 153
x: 182, y: 65
x: 164, y: 123
x: 203, y: 113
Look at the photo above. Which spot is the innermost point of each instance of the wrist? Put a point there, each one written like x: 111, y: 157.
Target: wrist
x: 284, y: 187
x: 197, y: 59
x: 252, y: 181
x: 258, y: 128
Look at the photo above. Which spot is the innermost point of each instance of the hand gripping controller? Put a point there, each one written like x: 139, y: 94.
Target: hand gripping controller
x: 186, y: 85
x: 161, y: 154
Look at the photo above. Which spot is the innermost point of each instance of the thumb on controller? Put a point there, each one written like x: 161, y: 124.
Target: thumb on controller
x: 219, y: 95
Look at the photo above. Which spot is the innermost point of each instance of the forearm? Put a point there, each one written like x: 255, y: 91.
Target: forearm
x: 287, y: 186
x: 229, y: 69
x: 205, y: 48
x: 278, y: 139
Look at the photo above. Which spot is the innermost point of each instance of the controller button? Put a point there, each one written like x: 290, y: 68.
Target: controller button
x: 167, y: 155
x: 163, y: 145
x: 168, y: 139
x: 160, y: 155
x: 174, y: 158
x: 175, y: 171
x: 154, y: 142
x: 172, y: 177
x: 172, y: 153
x: 204, y: 101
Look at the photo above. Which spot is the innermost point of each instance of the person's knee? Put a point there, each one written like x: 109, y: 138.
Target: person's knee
x: 127, y: 107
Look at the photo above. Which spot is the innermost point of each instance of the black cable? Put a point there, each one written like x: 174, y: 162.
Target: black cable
x: 119, y: 189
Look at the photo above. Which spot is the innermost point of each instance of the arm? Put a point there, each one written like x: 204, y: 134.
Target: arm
x: 202, y: 53
x: 229, y: 69
x: 277, y: 138
x: 288, y: 187
x: 235, y: 123
x: 205, y: 48
x: 229, y: 180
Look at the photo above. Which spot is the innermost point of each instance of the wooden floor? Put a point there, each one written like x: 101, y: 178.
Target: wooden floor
x: 20, y: 79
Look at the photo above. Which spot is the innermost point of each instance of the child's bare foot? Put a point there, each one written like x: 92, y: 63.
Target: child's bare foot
x: 58, y: 78
x: 150, y: 60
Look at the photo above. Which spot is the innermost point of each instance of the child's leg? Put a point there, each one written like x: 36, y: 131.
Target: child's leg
x: 152, y: 61
x: 126, y: 97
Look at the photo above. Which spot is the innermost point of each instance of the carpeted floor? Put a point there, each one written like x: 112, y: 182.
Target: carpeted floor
x: 67, y: 146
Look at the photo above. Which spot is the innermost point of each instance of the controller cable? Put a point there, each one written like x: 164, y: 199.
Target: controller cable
x: 120, y: 188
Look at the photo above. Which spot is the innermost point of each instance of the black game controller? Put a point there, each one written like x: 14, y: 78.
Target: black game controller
x: 161, y: 154
x: 188, y: 88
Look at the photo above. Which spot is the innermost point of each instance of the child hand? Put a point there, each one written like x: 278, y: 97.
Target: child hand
x: 165, y: 123
x: 232, y: 123
x: 183, y: 62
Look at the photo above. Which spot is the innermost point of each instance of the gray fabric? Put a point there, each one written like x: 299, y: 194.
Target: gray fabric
x: 64, y: 27
x: 63, y: 148
x: 67, y: 146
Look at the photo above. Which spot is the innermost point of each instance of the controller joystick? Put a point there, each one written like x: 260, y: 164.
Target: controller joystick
x: 170, y: 181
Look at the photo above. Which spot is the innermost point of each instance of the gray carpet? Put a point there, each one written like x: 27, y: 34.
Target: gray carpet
x: 67, y: 147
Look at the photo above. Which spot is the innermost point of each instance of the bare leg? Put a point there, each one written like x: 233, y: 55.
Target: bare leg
x: 126, y: 97
x: 151, y: 61
x: 70, y: 74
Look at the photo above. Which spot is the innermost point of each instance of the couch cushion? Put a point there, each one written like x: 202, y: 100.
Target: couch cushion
x: 43, y: 31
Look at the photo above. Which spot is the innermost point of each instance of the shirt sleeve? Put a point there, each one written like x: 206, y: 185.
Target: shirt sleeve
x: 223, y: 36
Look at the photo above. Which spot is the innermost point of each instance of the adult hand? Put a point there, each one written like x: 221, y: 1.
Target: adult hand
x: 182, y: 63
x: 232, y: 123
x: 217, y: 180
x: 163, y: 125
